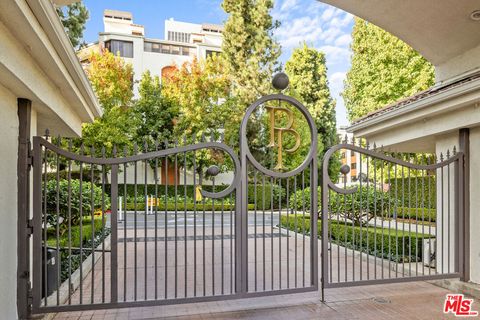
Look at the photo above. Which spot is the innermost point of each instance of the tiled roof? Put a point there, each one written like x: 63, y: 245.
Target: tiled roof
x: 417, y: 97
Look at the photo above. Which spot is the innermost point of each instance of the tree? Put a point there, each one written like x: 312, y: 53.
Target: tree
x: 308, y: 82
x: 201, y: 90
x: 384, y: 69
x: 73, y: 17
x: 111, y: 78
x: 155, y: 114
x: 248, y: 47
x: 112, y: 81
x: 307, y: 72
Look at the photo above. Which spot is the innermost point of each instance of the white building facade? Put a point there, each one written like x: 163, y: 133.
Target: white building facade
x: 182, y: 43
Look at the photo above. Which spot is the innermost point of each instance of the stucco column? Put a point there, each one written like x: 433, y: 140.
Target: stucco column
x: 8, y: 199
x: 474, y: 242
x: 446, y: 232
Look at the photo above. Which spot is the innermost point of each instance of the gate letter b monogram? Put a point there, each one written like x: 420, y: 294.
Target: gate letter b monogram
x: 279, y: 131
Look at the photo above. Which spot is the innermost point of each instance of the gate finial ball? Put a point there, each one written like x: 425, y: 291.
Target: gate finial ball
x: 280, y: 81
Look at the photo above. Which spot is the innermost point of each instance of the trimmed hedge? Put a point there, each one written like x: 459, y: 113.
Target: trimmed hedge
x: 407, y: 246
x: 301, y: 199
x: 429, y: 215
x: 399, y: 187
x: 190, y: 192
x: 190, y: 206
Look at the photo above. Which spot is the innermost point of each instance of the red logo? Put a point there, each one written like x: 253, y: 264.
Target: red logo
x: 459, y: 306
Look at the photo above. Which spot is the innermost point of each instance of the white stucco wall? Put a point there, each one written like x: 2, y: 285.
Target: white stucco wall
x: 462, y: 63
x: 8, y: 201
x: 221, y: 178
x: 474, y: 204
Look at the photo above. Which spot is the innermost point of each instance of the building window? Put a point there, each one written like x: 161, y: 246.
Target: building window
x: 354, y: 166
x: 343, y: 155
x: 178, y: 36
x: 123, y: 48
x: 151, y: 47
x: 165, y: 48
x: 175, y: 50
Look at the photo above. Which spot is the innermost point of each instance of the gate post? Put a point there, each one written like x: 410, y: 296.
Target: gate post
x: 23, y: 209
x: 464, y: 146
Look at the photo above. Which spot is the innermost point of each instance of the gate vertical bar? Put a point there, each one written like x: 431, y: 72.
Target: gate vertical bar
x: 114, y: 235
x: 325, y: 223
x: 241, y: 225
x: 23, y: 208
x: 314, y: 220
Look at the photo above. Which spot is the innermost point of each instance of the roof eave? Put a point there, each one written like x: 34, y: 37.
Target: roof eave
x: 46, y: 14
x: 368, y: 126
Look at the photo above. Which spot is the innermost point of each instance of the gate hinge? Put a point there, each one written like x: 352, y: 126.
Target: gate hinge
x: 30, y: 227
x: 30, y: 297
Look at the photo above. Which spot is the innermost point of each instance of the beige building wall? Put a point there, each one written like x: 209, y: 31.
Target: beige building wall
x: 8, y: 200
x: 474, y: 204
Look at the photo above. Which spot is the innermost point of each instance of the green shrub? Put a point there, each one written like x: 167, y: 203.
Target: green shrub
x: 301, y: 199
x: 70, y: 260
x: 268, y: 189
x: 75, y: 234
x: 63, y: 198
x: 75, y: 175
x: 410, y: 195
x: 398, y: 245
x: 361, y: 206
x: 420, y: 214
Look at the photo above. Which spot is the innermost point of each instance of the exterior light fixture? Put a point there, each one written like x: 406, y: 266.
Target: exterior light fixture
x: 475, y: 15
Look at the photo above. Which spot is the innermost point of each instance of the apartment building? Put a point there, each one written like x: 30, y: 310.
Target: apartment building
x: 182, y: 42
x: 349, y: 158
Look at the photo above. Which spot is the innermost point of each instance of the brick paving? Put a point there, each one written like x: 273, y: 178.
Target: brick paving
x: 417, y: 300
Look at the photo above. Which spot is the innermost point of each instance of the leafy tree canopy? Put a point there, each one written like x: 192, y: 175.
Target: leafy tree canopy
x: 308, y: 82
x: 155, y: 114
x: 307, y: 72
x: 73, y: 17
x: 384, y: 70
x: 249, y: 49
x: 111, y: 78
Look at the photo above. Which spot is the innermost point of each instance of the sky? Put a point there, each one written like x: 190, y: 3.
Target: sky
x: 321, y: 26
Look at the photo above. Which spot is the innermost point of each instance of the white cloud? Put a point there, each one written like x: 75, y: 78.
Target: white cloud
x: 335, y: 54
x: 343, y: 41
x: 328, y: 14
x: 288, y: 5
x: 295, y: 31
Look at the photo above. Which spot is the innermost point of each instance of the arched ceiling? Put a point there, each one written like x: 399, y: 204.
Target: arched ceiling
x: 438, y: 29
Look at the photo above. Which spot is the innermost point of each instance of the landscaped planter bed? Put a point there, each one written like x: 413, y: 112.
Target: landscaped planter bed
x: 392, y: 244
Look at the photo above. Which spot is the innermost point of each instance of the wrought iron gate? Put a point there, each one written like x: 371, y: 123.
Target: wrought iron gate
x: 151, y: 226
x: 160, y: 224
x: 402, y: 220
